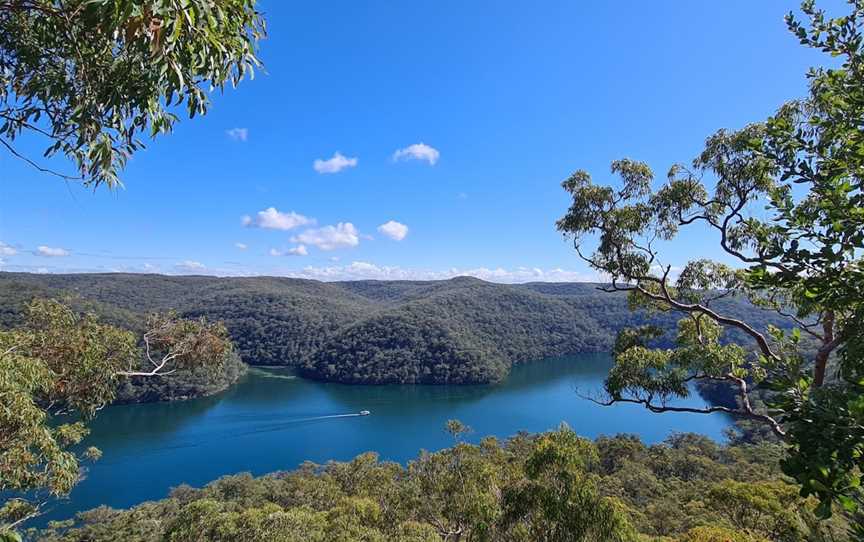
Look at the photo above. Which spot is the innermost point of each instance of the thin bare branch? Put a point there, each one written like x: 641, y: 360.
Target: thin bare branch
x: 17, y: 154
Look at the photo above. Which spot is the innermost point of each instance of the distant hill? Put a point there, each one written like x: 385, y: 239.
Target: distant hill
x: 462, y: 330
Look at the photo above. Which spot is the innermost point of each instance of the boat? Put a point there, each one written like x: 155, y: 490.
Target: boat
x: 365, y: 413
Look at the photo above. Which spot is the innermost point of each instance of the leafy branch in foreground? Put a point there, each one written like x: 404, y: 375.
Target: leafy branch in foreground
x: 56, y: 372
x: 801, y: 257
x: 178, y: 343
x: 91, y: 76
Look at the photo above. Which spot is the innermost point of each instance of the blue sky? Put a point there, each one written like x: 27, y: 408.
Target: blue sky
x: 506, y: 98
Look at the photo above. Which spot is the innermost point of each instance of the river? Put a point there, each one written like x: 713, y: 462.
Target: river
x: 274, y: 421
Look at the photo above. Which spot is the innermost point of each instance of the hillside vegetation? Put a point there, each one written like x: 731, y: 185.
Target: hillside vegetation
x: 550, y: 487
x: 462, y: 330
x: 184, y: 383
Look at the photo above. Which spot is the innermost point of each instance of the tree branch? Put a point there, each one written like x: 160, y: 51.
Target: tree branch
x: 667, y: 298
x: 746, y: 411
x: 830, y: 342
x: 157, y: 365
x: 37, y: 166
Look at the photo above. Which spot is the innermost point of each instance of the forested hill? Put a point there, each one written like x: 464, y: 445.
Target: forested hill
x: 462, y: 330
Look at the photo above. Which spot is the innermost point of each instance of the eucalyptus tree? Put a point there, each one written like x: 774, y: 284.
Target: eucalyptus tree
x: 56, y: 372
x: 89, y: 77
x: 559, y: 500
x: 784, y: 200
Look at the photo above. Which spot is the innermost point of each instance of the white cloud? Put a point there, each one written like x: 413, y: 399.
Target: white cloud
x: 299, y: 250
x: 190, y: 265
x: 418, y: 151
x: 342, y: 235
x: 241, y: 246
x: 394, y: 230
x: 360, y: 270
x: 461, y: 195
x: 273, y: 219
x: 238, y: 134
x: 51, y: 252
x: 6, y: 250
x: 355, y: 271
x: 335, y: 164
x: 527, y: 274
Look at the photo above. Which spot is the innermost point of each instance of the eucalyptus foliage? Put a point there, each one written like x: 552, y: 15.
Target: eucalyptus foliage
x: 56, y: 372
x: 554, y: 486
x: 92, y: 76
x: 785, y: 199
x: 58, y: 364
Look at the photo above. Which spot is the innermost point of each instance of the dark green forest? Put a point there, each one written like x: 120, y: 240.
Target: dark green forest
x: 457, y: 331
x: 185, y: 383
x: 549, y: 487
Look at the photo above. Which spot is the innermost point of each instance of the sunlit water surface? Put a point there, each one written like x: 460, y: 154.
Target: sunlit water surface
x: 273, y: 421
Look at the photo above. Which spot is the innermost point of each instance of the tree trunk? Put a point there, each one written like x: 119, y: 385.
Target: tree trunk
x: 828, y: 344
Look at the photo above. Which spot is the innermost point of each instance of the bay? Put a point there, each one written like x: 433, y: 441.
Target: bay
x: 272, y: 421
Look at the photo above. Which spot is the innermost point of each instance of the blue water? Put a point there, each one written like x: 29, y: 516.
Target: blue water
x: 273, y: 421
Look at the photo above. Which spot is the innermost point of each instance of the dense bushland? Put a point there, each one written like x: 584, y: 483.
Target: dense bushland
x: 550, y: 487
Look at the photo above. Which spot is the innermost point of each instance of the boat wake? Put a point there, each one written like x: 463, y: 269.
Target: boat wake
x: 257, y: 429
x: 301, y: 421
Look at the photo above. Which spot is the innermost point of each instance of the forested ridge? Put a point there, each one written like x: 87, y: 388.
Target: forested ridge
x: 462, y: 330
x: 549, y: 487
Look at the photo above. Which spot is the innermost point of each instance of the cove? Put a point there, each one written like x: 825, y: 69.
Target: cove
x: 274, y: 421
